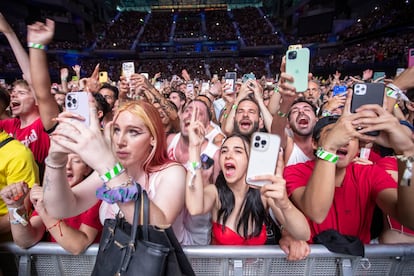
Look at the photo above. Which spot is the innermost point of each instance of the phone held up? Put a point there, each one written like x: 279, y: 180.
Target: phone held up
x: 230, y: 78
x: 339, y: 90
x: 367, y: 93
x: 297, y: 65
x: 264, y: 150
x: 77, y: 102
x: 103, y: 77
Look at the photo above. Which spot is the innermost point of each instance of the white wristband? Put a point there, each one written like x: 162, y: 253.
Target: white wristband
x: 18, y: 219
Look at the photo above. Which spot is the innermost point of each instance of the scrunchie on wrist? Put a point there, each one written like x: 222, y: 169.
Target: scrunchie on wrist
x: 122, y: 193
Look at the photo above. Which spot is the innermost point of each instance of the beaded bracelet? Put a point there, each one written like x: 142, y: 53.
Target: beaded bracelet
x: 115, y: 171
x: 36, y: 46
x: 327, y: 156
x: 53, y: 166
x: 122, y: 193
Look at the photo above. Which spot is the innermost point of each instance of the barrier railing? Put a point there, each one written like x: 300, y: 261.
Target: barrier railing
x: 51, y: 259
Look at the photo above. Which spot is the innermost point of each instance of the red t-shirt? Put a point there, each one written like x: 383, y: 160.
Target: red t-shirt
x: 90, y: 217
x: 353, y: 203
x: 33, y: 136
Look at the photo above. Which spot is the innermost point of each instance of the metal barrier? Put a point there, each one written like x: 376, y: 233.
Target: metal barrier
x: 51, y: 259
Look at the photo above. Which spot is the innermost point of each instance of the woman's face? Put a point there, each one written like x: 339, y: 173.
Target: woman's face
x: 76, y: 169
x: 234, y: 159
x: 131, y: 140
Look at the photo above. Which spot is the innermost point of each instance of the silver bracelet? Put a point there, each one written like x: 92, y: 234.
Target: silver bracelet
x: 53, y: 166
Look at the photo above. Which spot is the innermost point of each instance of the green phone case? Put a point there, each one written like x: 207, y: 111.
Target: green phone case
x: 297, y: 65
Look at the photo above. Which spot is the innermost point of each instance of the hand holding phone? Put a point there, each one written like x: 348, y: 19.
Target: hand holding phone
x: 367, y: 93
x: 264, y: 150
x: 77, y: 102
x: 230, y: 79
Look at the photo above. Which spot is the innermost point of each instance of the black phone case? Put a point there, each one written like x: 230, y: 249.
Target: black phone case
x: 373, y: 94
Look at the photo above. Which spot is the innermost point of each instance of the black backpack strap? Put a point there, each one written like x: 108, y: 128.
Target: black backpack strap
x: 5, y: 141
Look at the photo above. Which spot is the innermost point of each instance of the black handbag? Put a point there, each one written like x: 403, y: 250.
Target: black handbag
x: 140, y: 249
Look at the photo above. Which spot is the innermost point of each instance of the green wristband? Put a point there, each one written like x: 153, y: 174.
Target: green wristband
x: 36, y: 46
x: 115, y: 171
x: 327, y: 156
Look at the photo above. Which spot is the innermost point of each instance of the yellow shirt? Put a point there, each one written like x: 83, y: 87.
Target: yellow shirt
x: 16, y: 164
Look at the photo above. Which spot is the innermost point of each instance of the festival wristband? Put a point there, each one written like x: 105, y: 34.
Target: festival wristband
x: 115, y: 171
x: 281, y: 114
x: 392, y: 91
x: 36, y: 46
x: 327, y: 156
x: 192, y: 167
x: 18, y: 219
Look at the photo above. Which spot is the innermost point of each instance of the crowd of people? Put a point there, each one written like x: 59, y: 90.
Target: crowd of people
x: 186, y: 140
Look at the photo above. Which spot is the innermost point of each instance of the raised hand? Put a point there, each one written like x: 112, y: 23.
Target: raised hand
x: 41, y: 33
x: 196, y: 130
x: 88, y: 142
x: 14, y: 194
x: 4, y: 25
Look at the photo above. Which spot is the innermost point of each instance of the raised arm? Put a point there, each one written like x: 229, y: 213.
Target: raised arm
x: 198, y: 199
x: 40, y: 35
x: 277, y: 199
x: 18, y: 50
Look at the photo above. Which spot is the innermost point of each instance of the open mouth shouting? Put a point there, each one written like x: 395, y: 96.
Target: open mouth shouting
x: 229, y: 169
x: 14, y: 105
x: 342, y: 152
x: 245, y: 124
x: 303, y: 121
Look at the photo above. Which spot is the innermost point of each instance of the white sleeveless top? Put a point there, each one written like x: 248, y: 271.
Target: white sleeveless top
x: 297, y: 156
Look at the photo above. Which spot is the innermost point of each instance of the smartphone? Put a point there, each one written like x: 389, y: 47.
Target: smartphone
x: 367, y: 93
x: 146, y: 75
x: 205, y: 87
x: 399, y: 71
x: 297, y: 65
x: 190, y: 88
x: 230, y: 78
x: 103, y: 76
x: 128, y: 68
x: 410, y: 57
x: 339, y: 90
x: 158, y: 85
x: 264, y: 150
x: 249, y: 76
x: 77, y: 102
x: 206, y: 161
x: 378, y: 75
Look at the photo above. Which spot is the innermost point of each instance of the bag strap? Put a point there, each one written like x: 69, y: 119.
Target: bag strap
x: 136, y: 215
x: 145, y: 214
x: 5, y: 141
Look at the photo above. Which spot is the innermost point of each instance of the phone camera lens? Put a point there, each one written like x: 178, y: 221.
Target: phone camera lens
x: 263, y: 142
x: 74, y: 101
x: 257, y: 138
x: 69, y: 104
x: 256, y: 145
x: 292, y: 55
x: 69, y: 98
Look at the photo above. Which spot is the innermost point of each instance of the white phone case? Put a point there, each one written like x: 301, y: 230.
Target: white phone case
x: 264, y: 150
x: 77, y: 102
